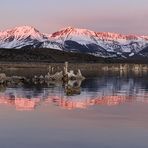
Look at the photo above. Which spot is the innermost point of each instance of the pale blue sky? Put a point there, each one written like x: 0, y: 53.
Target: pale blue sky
x: 124, y: 16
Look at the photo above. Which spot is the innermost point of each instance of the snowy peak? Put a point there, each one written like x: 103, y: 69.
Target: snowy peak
x: 19, y: 37
x: 112, y: 42
x: 83, y: 36
x: 21, y: 33
x: 71, y: 31
x: 116, y: 36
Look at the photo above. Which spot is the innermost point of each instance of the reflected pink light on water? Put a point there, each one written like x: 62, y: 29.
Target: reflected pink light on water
x: 25, y: 104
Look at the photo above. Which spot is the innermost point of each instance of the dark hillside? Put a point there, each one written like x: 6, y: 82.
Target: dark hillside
x: 44, y: 55
x: 57, y: 56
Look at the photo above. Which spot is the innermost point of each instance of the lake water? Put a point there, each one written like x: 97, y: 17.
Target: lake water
x: 106, y: 111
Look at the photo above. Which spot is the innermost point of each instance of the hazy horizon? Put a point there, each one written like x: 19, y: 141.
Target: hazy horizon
x: 125, y: 17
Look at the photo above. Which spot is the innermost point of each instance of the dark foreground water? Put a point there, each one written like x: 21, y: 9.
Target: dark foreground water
x: 111, y: 111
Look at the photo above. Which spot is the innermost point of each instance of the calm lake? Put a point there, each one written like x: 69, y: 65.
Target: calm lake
x: 106, y: 111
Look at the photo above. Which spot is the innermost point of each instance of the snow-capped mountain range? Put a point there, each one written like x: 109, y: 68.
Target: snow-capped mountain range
x: 71, y: 39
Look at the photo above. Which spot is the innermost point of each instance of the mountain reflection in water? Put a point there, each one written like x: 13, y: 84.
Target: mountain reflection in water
x: 104, y: 90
